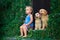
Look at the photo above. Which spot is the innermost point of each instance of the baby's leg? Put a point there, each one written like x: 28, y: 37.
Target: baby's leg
x: 21, y: 30
x: 25, y: 31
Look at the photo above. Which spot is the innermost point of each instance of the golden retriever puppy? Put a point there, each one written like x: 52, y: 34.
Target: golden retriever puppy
x: 37, y: 21
x: 44, y: 18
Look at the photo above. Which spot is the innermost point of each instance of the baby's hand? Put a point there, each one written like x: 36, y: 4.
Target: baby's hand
x: 26, y: 25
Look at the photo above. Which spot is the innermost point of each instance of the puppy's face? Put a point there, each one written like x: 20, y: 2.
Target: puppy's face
x: 37, y: 15
x: 43, y: 11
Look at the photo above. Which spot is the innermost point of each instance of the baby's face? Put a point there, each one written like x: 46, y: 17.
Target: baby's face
x: 28, y: 10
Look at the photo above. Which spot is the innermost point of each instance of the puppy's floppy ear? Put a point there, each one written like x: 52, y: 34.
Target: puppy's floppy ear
x: 46, y: 11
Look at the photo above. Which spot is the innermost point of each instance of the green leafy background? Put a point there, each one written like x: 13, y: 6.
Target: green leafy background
x: 12, y: 14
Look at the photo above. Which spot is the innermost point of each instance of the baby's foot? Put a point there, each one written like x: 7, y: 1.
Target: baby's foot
x: 43, y: 28
x: 25, y: 36
x: 20, y: 35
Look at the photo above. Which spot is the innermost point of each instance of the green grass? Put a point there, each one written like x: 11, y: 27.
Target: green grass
x: 32, y: 35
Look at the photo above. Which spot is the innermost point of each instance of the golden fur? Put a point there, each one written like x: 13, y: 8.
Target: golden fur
x: 37, y: 21
x: 44, y: 18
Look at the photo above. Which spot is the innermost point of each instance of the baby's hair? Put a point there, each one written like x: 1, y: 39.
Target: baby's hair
x: 29, y: 7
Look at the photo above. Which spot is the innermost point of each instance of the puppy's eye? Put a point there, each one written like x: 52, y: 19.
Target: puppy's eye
x: 41, y: 11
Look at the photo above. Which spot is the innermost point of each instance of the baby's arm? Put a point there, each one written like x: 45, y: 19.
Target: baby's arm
x: 31, y: 20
